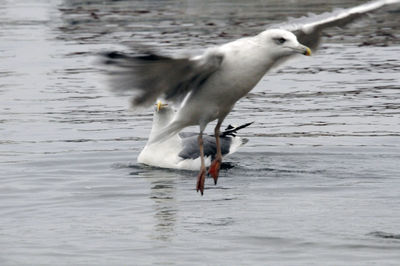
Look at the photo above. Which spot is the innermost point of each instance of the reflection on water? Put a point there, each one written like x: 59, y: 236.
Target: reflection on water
x: 317, y: 183
x: 163, y: 194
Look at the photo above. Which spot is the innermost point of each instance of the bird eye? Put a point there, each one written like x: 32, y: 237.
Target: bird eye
x: 280, y: 40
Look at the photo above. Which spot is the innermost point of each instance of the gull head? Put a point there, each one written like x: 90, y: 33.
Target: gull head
x: 163, y: 114
x: 283, y: 43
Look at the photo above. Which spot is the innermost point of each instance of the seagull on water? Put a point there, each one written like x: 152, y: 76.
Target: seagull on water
x: 180, y: 151
x: 206, y: 87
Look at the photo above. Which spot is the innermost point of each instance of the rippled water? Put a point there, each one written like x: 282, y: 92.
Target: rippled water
x: 318, y: 183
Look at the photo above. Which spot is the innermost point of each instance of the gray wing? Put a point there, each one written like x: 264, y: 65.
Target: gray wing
x: 308, y: 30
x: 191, y: 148
x: 150, y: 76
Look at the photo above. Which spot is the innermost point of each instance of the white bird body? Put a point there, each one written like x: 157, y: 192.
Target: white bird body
x: 151, y: 153
x: 166, y: 155
x: 173, y: 152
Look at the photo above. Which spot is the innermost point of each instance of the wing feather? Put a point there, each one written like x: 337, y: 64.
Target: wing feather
x: 308, y: 29
x: 151, y: 76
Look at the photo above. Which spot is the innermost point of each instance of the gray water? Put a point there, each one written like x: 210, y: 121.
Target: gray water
x: 318, y: 183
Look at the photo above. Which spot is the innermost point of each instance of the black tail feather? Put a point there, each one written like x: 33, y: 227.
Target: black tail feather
x: 231, y: 130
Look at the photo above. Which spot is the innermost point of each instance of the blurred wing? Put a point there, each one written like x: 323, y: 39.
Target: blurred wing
x: 150, y: 76
x: 308, y: 29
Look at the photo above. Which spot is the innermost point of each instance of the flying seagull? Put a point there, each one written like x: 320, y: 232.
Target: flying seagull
x: 180, y: 151
x: 206, y: 87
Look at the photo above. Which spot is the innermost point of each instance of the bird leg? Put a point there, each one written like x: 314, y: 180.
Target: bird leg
x: 202, y: 175
x: 216, y: 163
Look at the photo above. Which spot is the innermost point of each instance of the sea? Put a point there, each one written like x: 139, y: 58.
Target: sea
x: 318, y: 183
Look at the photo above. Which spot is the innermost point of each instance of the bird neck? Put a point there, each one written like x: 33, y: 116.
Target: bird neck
x: 161, y: 119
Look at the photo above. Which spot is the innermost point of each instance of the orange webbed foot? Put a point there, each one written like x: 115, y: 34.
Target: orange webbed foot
x: 214, y: 169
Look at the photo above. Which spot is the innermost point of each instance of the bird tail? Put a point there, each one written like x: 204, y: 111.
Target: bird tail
x: 231, y: 130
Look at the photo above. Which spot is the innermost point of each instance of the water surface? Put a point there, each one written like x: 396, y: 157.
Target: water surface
x: 318, y: 183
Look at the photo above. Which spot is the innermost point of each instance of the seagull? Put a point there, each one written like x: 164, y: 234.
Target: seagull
x: 180, y: 151
x: 206, y: 87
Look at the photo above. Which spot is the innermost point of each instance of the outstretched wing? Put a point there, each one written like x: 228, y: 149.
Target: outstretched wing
x: 150, y: 76
x: 308, y: 29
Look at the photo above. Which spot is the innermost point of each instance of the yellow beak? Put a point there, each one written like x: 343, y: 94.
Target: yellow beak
x: 308, y: 51
x: 160, y: 105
